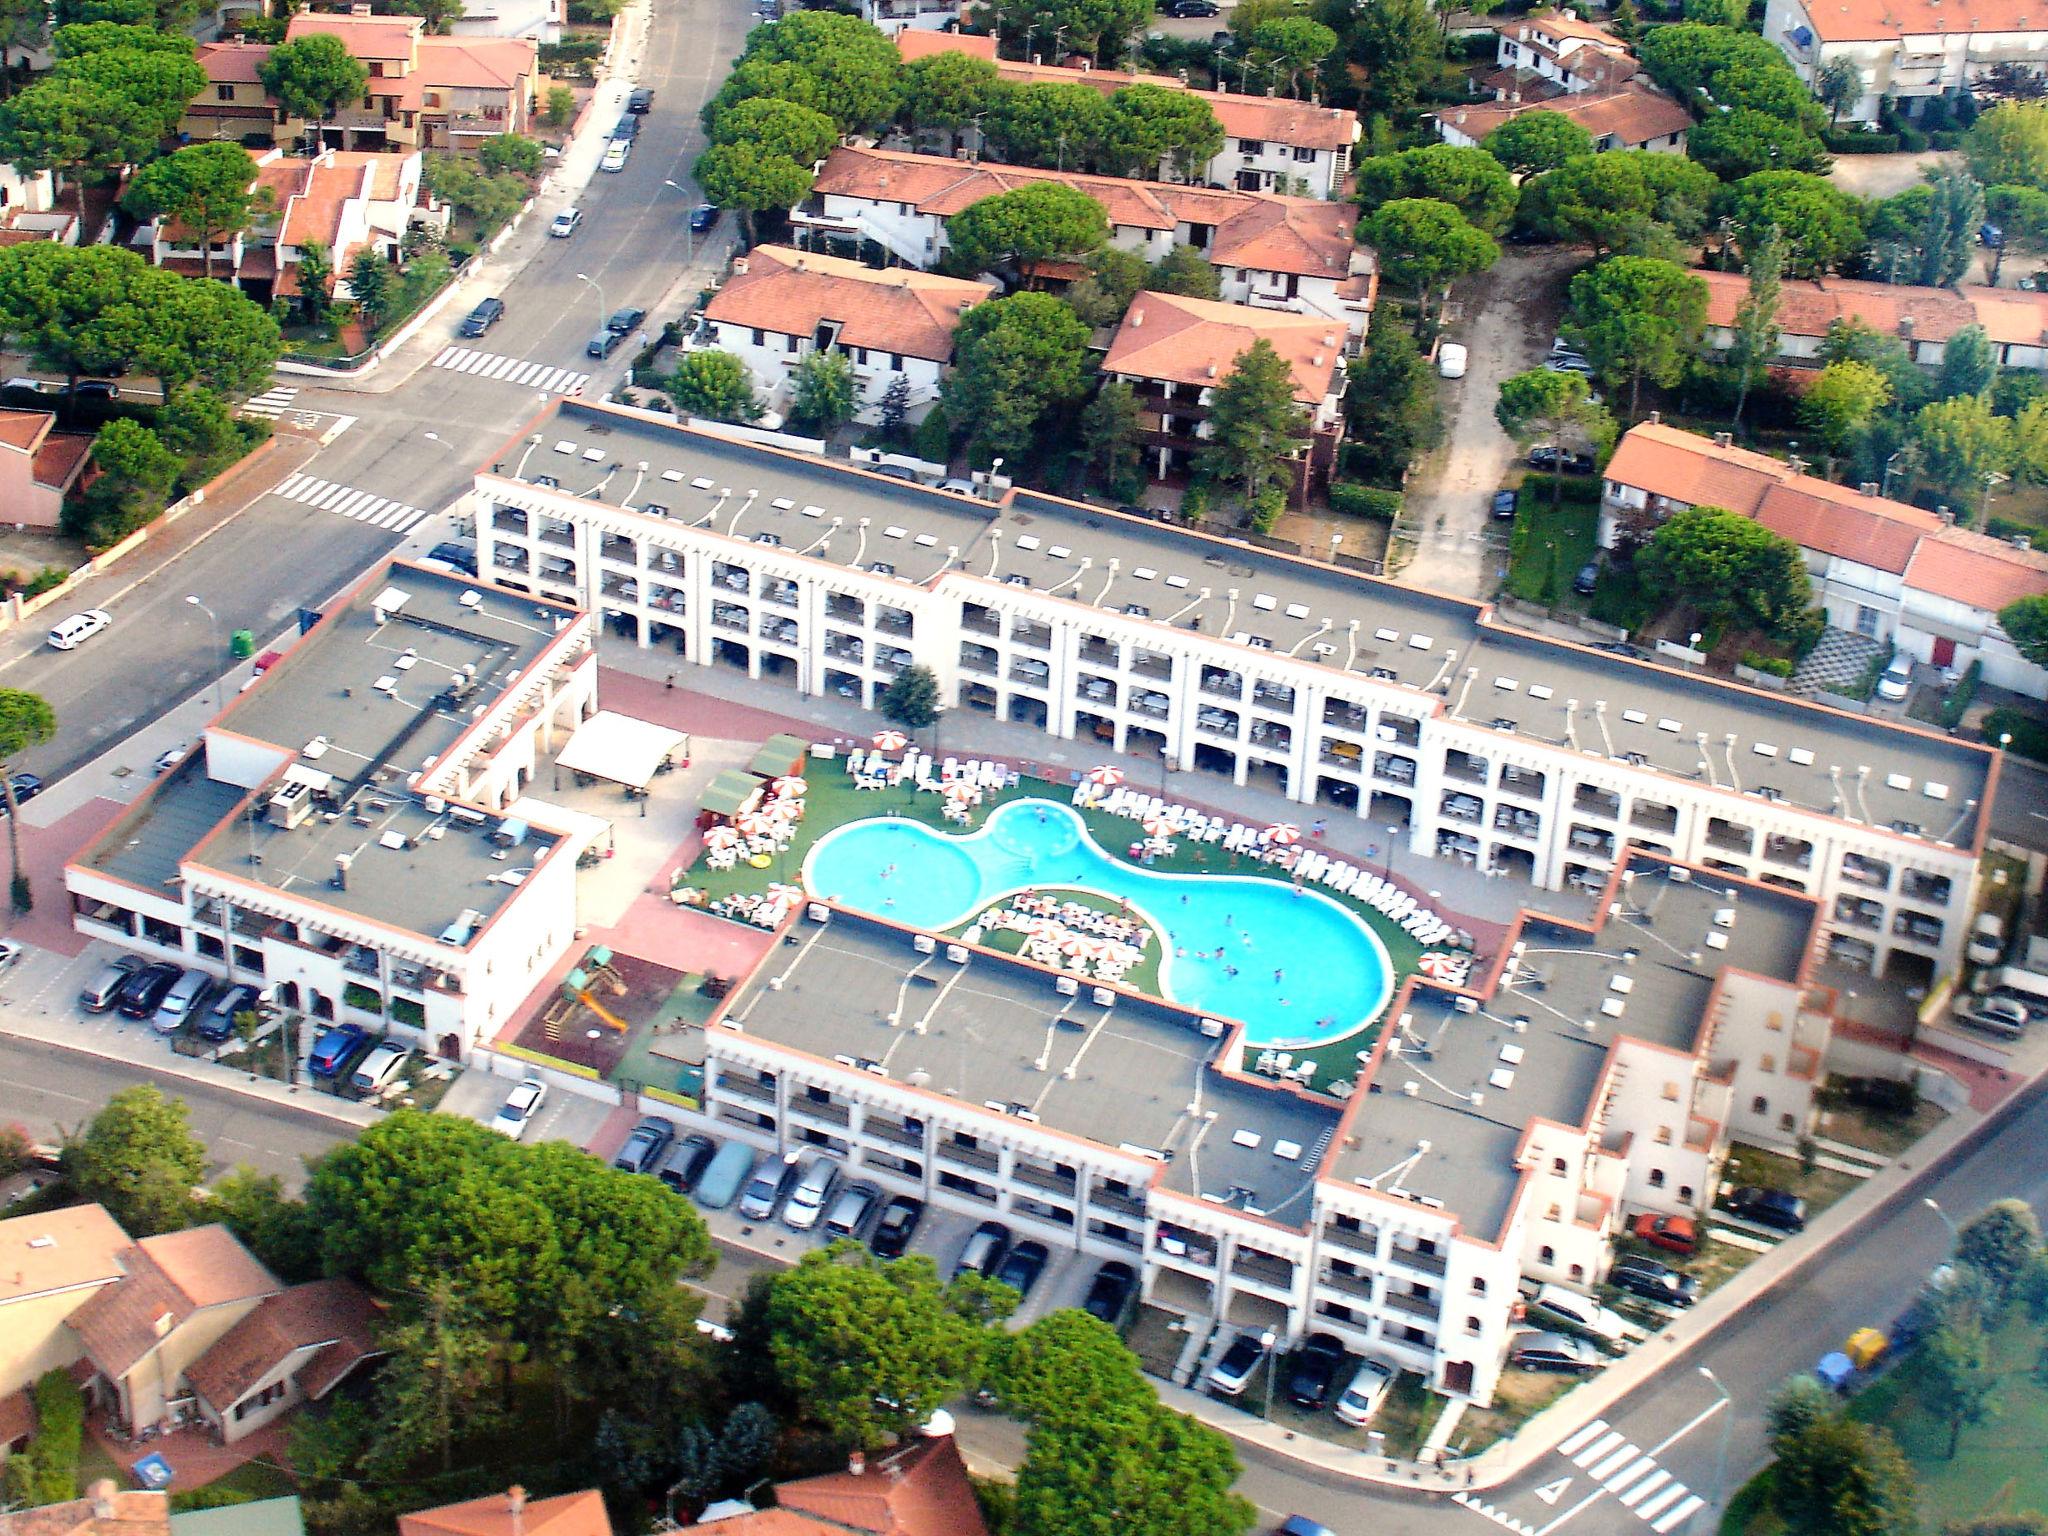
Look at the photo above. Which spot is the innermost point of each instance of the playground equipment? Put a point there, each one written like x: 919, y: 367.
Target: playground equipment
x: 577, y: 988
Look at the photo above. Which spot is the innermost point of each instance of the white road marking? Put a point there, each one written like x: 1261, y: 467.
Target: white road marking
x: 1598, y: 1448
x: 1656, y: 1479
x: 1579, y: 1437
x: 1678, y: 1514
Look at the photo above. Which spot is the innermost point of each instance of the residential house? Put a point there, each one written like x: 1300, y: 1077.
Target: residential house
x: 780, y: 305
x: 918, y: 1487
x: 424, y: 92
x: 258, y: 1517
x: 51, y: 1264
x: 295, y: 1347
x: 178, y: 1294
x: 39, y: 467
x: 1632, y: 115
x: 896, y: 17
x: 28, y: 209
x: 346, y: 200
x: 540, y: 20
x: 104, y: 1511
x: 1270, y: 143
x: 511, y: 1513
x: 1906, y: 52
x: 1923, y: 319
x: 1541, y: 58
x: 1292, y: 253
x: 1176, y: 352
x: 1880, y: 568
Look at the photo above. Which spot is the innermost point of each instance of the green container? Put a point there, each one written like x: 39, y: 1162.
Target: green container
x: 243, y: 645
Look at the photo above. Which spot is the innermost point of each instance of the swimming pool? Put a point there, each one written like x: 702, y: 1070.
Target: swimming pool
x: 1295, y: 966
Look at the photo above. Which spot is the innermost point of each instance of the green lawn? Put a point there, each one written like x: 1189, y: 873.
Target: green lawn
x: 251, y: 1481
x: 1771, y: 1170
x: 832, y: 801
x: 1549, y: 545
x: 1142, y: 977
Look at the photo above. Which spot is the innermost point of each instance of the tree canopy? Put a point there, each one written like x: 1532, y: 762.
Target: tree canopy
x: 1015, y: 359
x: 2008, y: 146
x: 1531, y: 142
x: 1842, y: 401
x: 1822, y: 225
x: 1962, y: 444
x: 1147, y: 124
x: 1836, y: 1477
x: 1423, y: 244
x: 1607, y: 201
x: 2025, y: 622
x: 1044, y: 220
x: 139, y: 1159
x: 835, y: 63
x: 206, y: 187
x: 947, y: 90
x: 1472, y: 181
x: 1098, y: 27
x: 1637, y: 317
x: 1541, y: 406
x: 312, y: 76
x: 1059, y: 125
x: 1730, y: 568
x: 714, y: 385
x: 1252, y: 420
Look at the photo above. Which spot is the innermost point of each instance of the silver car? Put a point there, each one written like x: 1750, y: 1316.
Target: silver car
x: 519, y: 1108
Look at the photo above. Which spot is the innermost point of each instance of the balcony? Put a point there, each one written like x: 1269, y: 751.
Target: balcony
x: 1102, y: 652
x: 896, y: 1133
x: 1348, y: 717
x: 968, y: 1157
x: 1276, y: 696
x: 1222, y: 684
x: 1650, y: 816
x: 1400, y: 730
x: 821, y: 1109
x: 1346, y: 1283
x: 758, y: 1089
x: 1156, y: 705
x: 780, y: 592
x: 849, y: 648
x: 1052, y: 1180
x: 1037, y: 636
x: 980, y: 620
x: 850, y: 610
x: 1127, y: 1202
x: 1516, y: 822
x: 509, y: 520
x: 1523, y: 782
x: 1457, y: 807
x: 1096, y: 690
x: 1921, y: 886
x: 1424, y: 1307
x: 616, y: 546
x: 1597, y: 802
x: 1274, y: 738
x: 1871, y: 872
x: 1341, y: 754
x: 1262, y: 1269
x: 1465, y: 767
x: 1917, y: 927
x: 1793, y: 852
x: 554, y: 532
x: 1416, y: 1259
x: 1395, y: 770
x: 1151, y: 664
x: 1365, y: 1240
x: 1728, y: 837
x: 1592, y: 840
x: 725, y: 616
x: 894, y: 621
x: 1858, y: 913
x: 1034, y: 673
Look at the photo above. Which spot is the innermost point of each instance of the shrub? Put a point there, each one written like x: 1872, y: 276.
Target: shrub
x: 1774, y: 666
x: 366, y: 998
x: 49, y: 577
x: 1957, y: 704
x: 2029, y: 736
x: 405, y: 1011
x: 1266, y: 510
x: 1373, y: 502
x: 1849, y: 141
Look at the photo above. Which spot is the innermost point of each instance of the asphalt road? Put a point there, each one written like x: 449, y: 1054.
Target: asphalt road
x: 51, y: 1091
x: 2019, y: 814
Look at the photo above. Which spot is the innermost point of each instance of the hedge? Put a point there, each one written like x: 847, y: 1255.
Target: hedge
x: 47, y: 1472
x: 1852, y: 141
x: 1374, y: 502
x: 2029, y: 736
x: 1773, y: 666
x: 1957, y: 704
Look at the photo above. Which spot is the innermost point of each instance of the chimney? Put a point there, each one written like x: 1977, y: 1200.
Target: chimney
x: 1947, y: 517
x: 856, y: 1464
x: 164, y: 1322
x: 1724, y: 440
x: 1906, y: 325
x: 739, y: 266
x: 2023, y: 541
x: 1137, y: 316
x: 1798, y: 465
x: 515, y: 1504
x: 359, y: 8
x: 102, y: 1495
x: 1212, y: 370
x: 1656, y: 418
x: 1869, y: 488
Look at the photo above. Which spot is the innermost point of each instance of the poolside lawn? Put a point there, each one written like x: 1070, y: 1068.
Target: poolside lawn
x: 1142, y: 977
x: 832, y: 802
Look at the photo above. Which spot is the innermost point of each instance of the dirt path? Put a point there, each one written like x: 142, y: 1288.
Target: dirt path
x: 1451, y: 543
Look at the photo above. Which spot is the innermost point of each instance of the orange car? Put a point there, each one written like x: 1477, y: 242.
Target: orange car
x: 1675, y: 1233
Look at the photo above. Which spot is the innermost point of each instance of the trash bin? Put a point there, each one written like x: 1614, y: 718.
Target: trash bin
x: 243, y: 645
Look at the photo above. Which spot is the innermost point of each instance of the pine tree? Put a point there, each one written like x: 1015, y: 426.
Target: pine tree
x: 895, y: 407
x: 1252, y: 423
x: 1756, y: 317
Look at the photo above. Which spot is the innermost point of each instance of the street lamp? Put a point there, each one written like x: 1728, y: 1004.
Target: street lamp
x: 435, y: 437
x: 217, y: 635
x: 1934, y: 1205
x: 1727, y: 1410
x: 1886, y: 488
x: 689, y: 234
x: 603, y: 309
x: 1992, y: 480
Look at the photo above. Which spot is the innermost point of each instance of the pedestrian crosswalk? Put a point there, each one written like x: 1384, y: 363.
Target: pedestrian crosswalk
x: 358, y: 506
x: 1632, y: 1475
x: 272, y: 403
x: 512, y: 370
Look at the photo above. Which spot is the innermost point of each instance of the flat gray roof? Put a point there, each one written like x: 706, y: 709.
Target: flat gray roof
x: 368, y: 697
x: 1535, y: 1048
x: 1820, y: 759
x: 998, y: 1032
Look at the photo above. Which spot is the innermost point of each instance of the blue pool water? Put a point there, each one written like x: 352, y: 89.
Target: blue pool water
x: 1296, y: 967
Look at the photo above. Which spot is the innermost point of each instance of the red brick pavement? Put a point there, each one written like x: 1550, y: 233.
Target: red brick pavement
x: 44, y: 851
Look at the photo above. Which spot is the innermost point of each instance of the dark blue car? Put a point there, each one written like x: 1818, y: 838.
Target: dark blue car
x: 333, y: 1049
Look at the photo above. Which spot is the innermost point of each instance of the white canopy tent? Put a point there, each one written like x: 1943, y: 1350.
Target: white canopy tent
x: 621, y: 749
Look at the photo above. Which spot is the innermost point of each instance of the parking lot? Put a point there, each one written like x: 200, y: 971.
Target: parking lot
x: 569, y: 1117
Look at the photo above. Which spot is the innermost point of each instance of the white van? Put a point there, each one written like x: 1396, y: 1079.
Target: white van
x: 1987, y: 939
x: 79, y: 628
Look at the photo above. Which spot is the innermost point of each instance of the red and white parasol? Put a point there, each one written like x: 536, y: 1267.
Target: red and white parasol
x: 758, y: 824
x: 890, y: 741
x: 785, y: 893
x: 1282, y: 834
x: 1044, y: 928
x: 1157, y: 826
x: 790, y: 784
x: 1104, y: 777
x: 1440, y: 967
x: 960, y: 789
x: 721, y: 837
x: 1078, y: 944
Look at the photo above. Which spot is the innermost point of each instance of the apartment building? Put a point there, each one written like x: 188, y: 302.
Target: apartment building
x: 2014, y: 320
x: 1539, y: 759
x: 1880, y: 568
x: 424, y: 92
x: 352, y: 832
x: 1629, y: 116
x: 1555, y: 54
x: 1177, y: 352
x: 1270, y: 143
x: 1906, y: 51
x: 781, y: 305
x: 1292, y: 253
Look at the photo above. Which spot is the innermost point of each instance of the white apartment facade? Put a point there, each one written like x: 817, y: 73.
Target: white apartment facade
x: 1906, y: 51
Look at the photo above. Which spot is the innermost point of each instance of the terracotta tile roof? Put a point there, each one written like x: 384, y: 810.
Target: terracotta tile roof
x: 896, y: 310
x: 569, y: 1514
x: 367, y: 37
x: 105, y: 1511
x: 1808, y: 307
x: 1841, y: 523
x: 80, y: 1244
x: 1633, y: 115
x: 167, y: 1279
x: 1275, y: 118
x: 333, y: 1317
x: 61, y: 457
x: 233, y: 63
x: 386, y: 171
x: 919, y: 1489
x: 1197, y: 341
x: 25, y: 236
x: 1839, y: 21
x: 476, y: 62
x: 1977, y: 571
x: 1280, y: 234
x: 2009, y: 316
x: 23, y: 431
x: 17, y: 1417
x: 1564, y: 27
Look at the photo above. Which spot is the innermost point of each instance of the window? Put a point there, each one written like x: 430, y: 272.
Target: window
x: 1759, y: 1105
x: 895, y: 362
x: 760, y: 337
x: 1555, y: 1213
x: 1472, y: 1325
x: 1671, y: 1093
x: 1768, y: 1063
x: 1578, y: 1274
x: 223, y: 93
x: 1305, y: 156
x: 1251, y: 146
x: 1557, y: 1166
x: 1656, y: 1178
x: 1786, y: 1121
x: 1663, y: 1135
x: 1547, y: 1255
x: 1478, y: 1285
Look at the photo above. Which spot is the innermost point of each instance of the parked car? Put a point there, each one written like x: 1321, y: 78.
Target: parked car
x: 1451, y: 360
x: 615, y: 155
x: 729, y: 1170
x: 849, y: 1214
x: 1301, y: 1525
x: 1231, y: 1374
x: 1503, y: 504
x: 487, y: 313
x: 642, y: 100
x: 333, y: 1050
x: 686, y: 1162
x: 379, y: 1066
x: 1897, y: 679
x: 984, y: 1250
x: 1986, y: 946
x: 702, y: 218
x: 1020, y: 1271
x: 1314, y: 1370
x: 603, y: 344
x: 1580, y: 1311
x: 218, y: 1022
x: 103, y: 991
x: 73, y: 632
x: 26, y: 787
x: 2005, y: 1017
x: 167, y: 759
x: 644, y: 1144
x: 770, y: 1186
x: 1675, y: 1234
x: 1775, y: 1208
x: 10, y: 951
x: 1569, y: 362
x: 1110, y: 1291
x: 624, y: 322
x: 144, y: 989
x: 461, y: 557
x: 1535, y: 1350
x: 896, y: 1226
x: 1183, y: 9
x: 1657, y: 1282
x: 1570, y: 462
x: 96, y: 389
x: 627, y: 128
x: 1359, y: 1404
x: 807, y: 1197
x: 1587, y: 581
x: 185, y: 1001
x: 520, y: 1106
x: 566, y: 223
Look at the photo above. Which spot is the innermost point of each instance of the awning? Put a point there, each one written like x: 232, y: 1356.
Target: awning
x: 620, y: 748
x: 779, y: 755
x: 729, y: 793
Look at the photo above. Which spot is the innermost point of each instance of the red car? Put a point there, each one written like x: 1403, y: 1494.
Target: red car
x: 1676, y: 1233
